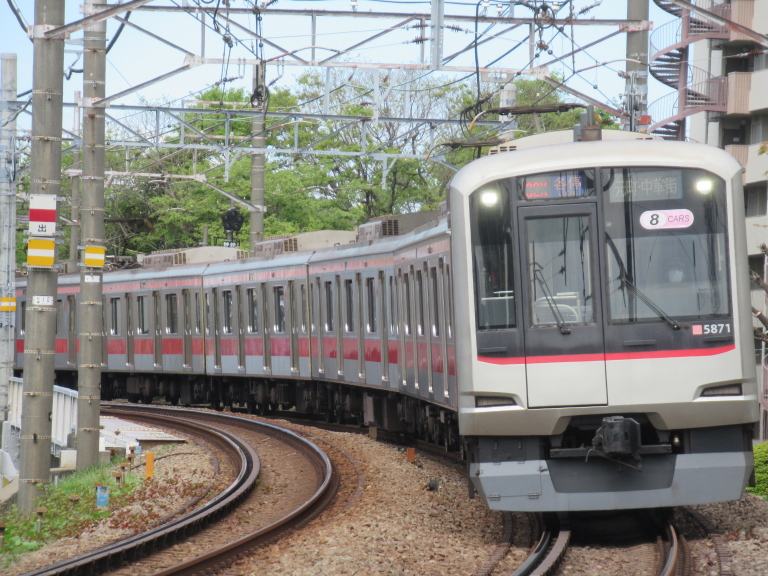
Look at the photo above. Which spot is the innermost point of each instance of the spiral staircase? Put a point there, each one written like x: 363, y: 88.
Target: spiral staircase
x: 696, y: 90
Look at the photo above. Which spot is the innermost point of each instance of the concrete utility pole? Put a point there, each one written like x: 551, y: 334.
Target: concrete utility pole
x: 92, y: 244
x: 74, y: 199
x: 45, y: 187
x: 257, y: 159
x: 637, y: 72
x: 8, y: 72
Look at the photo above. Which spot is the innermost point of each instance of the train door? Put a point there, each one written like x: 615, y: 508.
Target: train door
x: 319, y: 327
x: 215, y: 329
x: 71, y: 330
x: 129, y: 348
x: 158, y: 329
x: 562, y: 311
x: 186, y: 310
x: 359, y: 327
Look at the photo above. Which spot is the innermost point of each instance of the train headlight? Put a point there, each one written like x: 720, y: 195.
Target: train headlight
x: 728, y: 390
x: 489, y: 198
x: 705, y: 186
x: 486, y: 401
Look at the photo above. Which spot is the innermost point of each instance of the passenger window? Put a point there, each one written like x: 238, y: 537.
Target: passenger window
x: 171, y: 314
x: 329, y: 306
x: 407, y: 290
x: 349, y: 317
x: 370, y: 293
x: 114, y: 309
x: 198, y: 314
x: 420, y: 305
x: 143, y: 317
x: 435, y: 302
x: 279, y: 309
x: 304, y: 305
x: 253, y: 310
x: 228, y: 311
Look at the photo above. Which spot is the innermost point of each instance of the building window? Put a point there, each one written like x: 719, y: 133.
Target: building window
x: 755, y: 200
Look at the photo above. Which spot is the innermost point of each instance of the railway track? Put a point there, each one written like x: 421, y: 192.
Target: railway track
x: 166, y: 549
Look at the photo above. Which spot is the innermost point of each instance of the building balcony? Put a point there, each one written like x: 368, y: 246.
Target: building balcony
x: 739, y: 88
x: 758, y: 94
x: 756, y: 165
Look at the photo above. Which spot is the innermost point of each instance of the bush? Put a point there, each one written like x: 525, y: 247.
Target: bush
x: 761, y: 471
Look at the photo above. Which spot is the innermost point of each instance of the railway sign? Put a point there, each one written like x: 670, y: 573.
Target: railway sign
x: 42, y: 215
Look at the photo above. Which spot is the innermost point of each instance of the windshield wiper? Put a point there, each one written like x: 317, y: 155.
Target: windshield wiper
x: 539, y: 276
x: 626, y: 281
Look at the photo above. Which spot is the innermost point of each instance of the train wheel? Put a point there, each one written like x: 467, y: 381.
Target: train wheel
x: 250, y: 406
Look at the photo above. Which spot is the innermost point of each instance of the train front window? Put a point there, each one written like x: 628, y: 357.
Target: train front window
x: 559, y: 263
x: 492, y: 257
x: 665, y: 235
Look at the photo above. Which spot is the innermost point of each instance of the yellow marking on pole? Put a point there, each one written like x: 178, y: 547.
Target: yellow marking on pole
x: 8, y: 304
x: 41, y: 252
x: 94, y: 256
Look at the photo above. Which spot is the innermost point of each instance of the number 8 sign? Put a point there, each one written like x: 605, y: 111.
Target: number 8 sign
x: 654, y: 219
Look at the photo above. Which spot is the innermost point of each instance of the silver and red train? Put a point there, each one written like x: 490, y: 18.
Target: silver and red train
x: 576, y: 320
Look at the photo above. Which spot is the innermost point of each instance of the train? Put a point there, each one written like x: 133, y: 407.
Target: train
x: 574, y: 319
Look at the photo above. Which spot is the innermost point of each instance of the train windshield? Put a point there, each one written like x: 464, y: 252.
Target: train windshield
x: 665, y: 235
x: 492, y: 258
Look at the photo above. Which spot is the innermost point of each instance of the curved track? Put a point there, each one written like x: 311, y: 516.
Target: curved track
x: 207, y: 425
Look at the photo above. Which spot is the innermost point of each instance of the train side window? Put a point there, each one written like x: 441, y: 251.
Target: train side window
x: 187, y: 312
x: 329, y: 306
x: 171, y: 314
x: 393, y: 310
x: 23, y: 317
x: 304, y: 306
x: 370, y: 293
x: 449, y: 307
x: 198, y: 314
x: 114, y: 316
x: 420, y: 303
x: 407, y: 303
x: 208, y: 314
x: 142, y: 313
x: 349, y: 307
x: 253, y: 310
x: 265, y: 309
x: 59, y: 316
x: 435, y: 302
x: 228, y: 311
x: 279, y: 293
x: 156, y: 309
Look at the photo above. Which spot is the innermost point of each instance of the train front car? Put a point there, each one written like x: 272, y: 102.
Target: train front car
x: 602, y: 298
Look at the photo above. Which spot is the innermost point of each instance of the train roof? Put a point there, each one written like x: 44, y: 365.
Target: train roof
x: 572, y: 155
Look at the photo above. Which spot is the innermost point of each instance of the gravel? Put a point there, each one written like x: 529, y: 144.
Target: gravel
x: 397, y: 523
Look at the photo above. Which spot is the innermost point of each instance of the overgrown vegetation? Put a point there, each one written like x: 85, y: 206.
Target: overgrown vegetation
x: 761, y: 471
x: 64, y: 519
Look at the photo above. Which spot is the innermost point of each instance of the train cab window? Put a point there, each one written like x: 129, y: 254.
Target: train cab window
x: 370, y: 303
x: 226, y: 296
x: 435, y: 320
x: 142, y: 315
x: 114, y: 316
x: 171, y: 314
x: 665, y: 235
x: 560, y: 270
x: 253, y: 310
x: 492, y: 257
x: 279, y: 294
x: 349, y: 307
x: 329, y: 306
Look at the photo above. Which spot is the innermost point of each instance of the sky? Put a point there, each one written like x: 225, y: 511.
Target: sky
x: 137, y: 57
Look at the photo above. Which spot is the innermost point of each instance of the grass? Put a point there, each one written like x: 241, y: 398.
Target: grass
x: 761, y: 471
x: 63, y: 519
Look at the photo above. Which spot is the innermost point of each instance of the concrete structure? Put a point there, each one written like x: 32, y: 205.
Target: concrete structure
x: 719, y: 73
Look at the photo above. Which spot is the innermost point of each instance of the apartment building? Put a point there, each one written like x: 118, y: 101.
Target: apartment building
x: 718, y: 75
